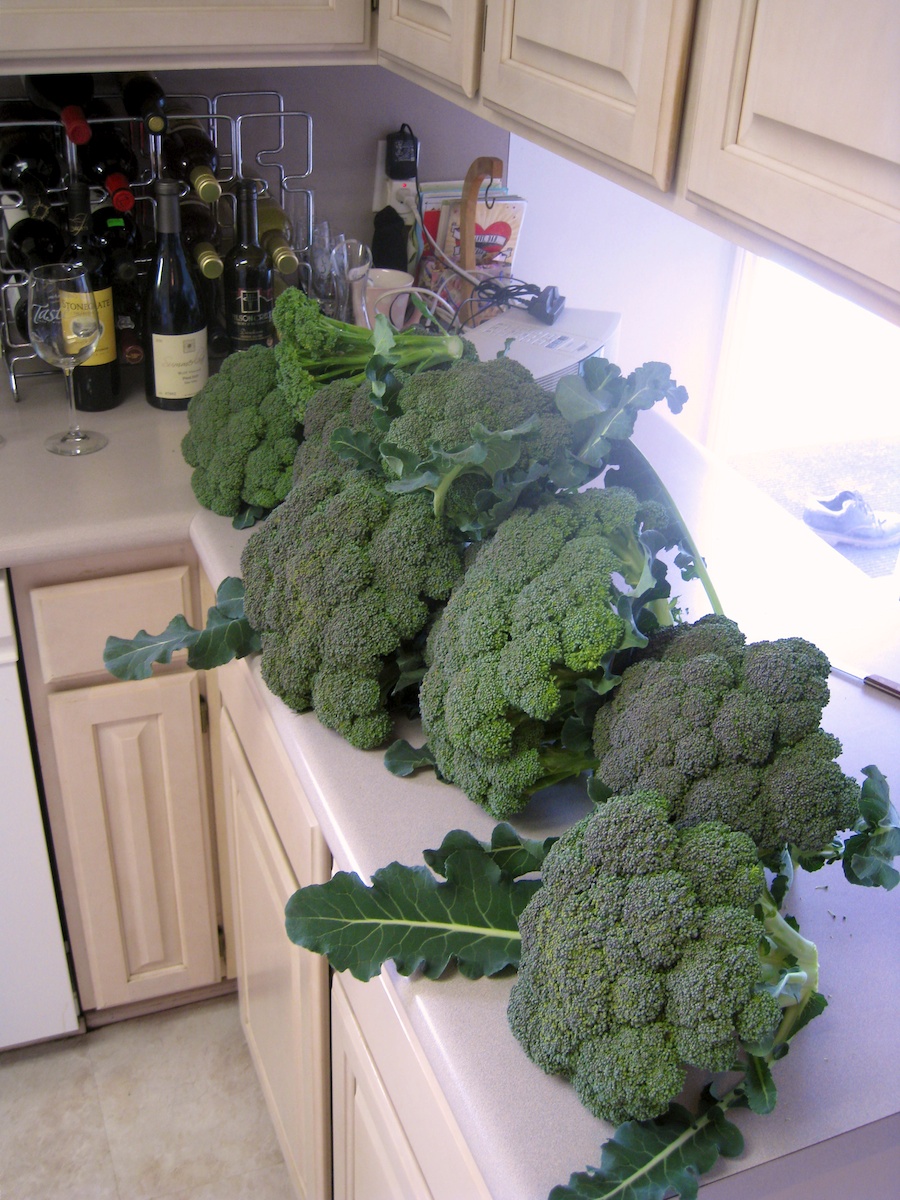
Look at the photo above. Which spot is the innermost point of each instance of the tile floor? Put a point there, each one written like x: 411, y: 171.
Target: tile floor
x: 159, y: 1106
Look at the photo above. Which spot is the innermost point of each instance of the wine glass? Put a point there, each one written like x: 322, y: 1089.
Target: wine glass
x: 64, y: 329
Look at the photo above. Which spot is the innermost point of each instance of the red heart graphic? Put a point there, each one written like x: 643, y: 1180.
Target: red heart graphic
x: 489, y: 242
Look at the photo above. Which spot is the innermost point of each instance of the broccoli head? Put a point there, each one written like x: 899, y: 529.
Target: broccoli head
x: 243, y: 436
x: 642, y: 954
x: 542, y: 606
x: 338, y: 579
x: 729, y: 731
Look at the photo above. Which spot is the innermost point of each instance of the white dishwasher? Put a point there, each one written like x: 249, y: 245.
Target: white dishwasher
x: 36, y: 995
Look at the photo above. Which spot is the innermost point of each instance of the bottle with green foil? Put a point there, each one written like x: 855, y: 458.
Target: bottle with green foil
x: 190, y: 155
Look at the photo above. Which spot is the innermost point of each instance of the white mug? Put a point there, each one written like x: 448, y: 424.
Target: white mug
x: 380, y: 281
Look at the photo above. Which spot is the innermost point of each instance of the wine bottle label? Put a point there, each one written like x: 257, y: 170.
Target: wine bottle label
x: 106, y: 347
x: 180, y: 364
x: 250, y: 317
x: 76, y: 319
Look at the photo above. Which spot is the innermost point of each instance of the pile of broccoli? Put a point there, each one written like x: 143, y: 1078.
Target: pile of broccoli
x: 243, y: 436
x: 728, y: 730
x: 345, y: 578
x: 643, y: 953
x: 546, y: 605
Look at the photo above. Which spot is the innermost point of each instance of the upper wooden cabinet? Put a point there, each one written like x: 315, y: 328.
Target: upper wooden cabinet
x: 796, y: 129
x: 606, y: 77
x: 441, y: 38
x: 42, y: 35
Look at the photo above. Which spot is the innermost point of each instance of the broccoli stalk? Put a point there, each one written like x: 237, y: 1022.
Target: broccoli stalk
x: 791, y: 963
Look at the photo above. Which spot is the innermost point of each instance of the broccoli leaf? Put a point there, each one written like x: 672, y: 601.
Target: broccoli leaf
x: 603, y: 405
x: 402, y: 759
x: 514, y: 855
x: 249, y: 515
x: 227, y: 635
x: 869, y: 852
x: 357, y: 448
x: 647, y: 1160
x: 759, y: 1086
x: 410, y: 917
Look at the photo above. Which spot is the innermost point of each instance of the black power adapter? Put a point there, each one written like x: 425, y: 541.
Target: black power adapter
x: 547, y: 305
x: 401, y: 160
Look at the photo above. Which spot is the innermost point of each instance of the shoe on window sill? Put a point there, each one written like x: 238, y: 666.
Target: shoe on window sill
x: 848, y: 518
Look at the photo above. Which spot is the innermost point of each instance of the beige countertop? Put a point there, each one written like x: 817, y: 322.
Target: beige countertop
x: 836, y: 1128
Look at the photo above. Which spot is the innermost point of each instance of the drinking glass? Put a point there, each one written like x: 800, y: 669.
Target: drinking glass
x: 64, y: 329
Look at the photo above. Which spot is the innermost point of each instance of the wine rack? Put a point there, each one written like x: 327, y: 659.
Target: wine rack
x: 255, y: 137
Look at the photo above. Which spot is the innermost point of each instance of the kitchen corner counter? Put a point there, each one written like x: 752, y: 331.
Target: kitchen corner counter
x: 135, y: 492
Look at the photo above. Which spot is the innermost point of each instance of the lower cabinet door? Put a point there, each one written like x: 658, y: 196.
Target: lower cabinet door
x: 283, y: 989
x: 373, y: 1159
x: 133, y: 781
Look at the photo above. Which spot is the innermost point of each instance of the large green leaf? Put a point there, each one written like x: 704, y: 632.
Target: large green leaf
x: 870, y: 851
x: 227, y: 635
x: 410, y: 917
x: 647, y: 1160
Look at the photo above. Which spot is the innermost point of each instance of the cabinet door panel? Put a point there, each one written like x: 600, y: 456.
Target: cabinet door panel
x: 283, y: 989
x: 106, y: 34
x: 440, y: 37
x: 134, y: 796
x: 607, y: 76
x: 796, y: 127
x: 373, y: 1159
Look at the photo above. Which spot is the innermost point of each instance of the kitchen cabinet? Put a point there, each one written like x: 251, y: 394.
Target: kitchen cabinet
x: 441, y: 38
x: 606, y: 78
x: 103, y: 35
x: 795, y: 129
x: 124, y: 769
x: 283, y: 989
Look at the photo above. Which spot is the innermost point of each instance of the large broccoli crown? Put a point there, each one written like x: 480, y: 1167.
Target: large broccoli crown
x: 640, y: 956
x: 447, y: 409
x: 243, y: 435
x: 336, y: 580
x: 535, y: 610
x: 730, y: 731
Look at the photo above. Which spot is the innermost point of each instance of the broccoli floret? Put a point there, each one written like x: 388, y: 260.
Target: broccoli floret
x: 539, y: 608
x: 642, y: 954
x: 729, y: 731
x: 243, y: 436
x: 313, y: 350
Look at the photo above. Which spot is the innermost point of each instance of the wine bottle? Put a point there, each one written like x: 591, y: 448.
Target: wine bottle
x: 198, y: 227
x: 129, y: 308
x: 117, y: 233
x: 32, y: 241
x: 189, y: 154
x: 143, y: 97
x: 248, y: 279
x: 275, y: 234
x: 96, y: 380
x: 176, y: 359
x: 109, y: 161
x: 28, y: 160
x: 67, y: 96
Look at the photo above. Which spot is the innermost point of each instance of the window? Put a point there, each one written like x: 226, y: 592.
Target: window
x: 808, y: 402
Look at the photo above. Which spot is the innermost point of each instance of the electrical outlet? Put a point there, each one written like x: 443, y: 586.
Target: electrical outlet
x: 400, y: 194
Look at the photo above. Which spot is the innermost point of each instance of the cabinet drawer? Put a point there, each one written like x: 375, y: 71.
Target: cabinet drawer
x: 73, y: 620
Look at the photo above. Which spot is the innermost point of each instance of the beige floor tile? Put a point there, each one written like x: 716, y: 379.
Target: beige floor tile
x: 180, y: 1100
x: 269, y: 1184
x: 53, y: 1143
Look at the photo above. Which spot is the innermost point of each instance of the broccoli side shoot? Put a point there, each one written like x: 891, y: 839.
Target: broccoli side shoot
x: 729, y: 731
x: 642, y: 954
x: 243, y: 436
x: 313, y: 350
x: 547, y: 602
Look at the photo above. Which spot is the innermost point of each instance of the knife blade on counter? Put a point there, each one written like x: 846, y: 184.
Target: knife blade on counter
x: 878, y: 682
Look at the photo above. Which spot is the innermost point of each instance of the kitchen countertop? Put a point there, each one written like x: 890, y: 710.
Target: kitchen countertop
x: 836, y: 1128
